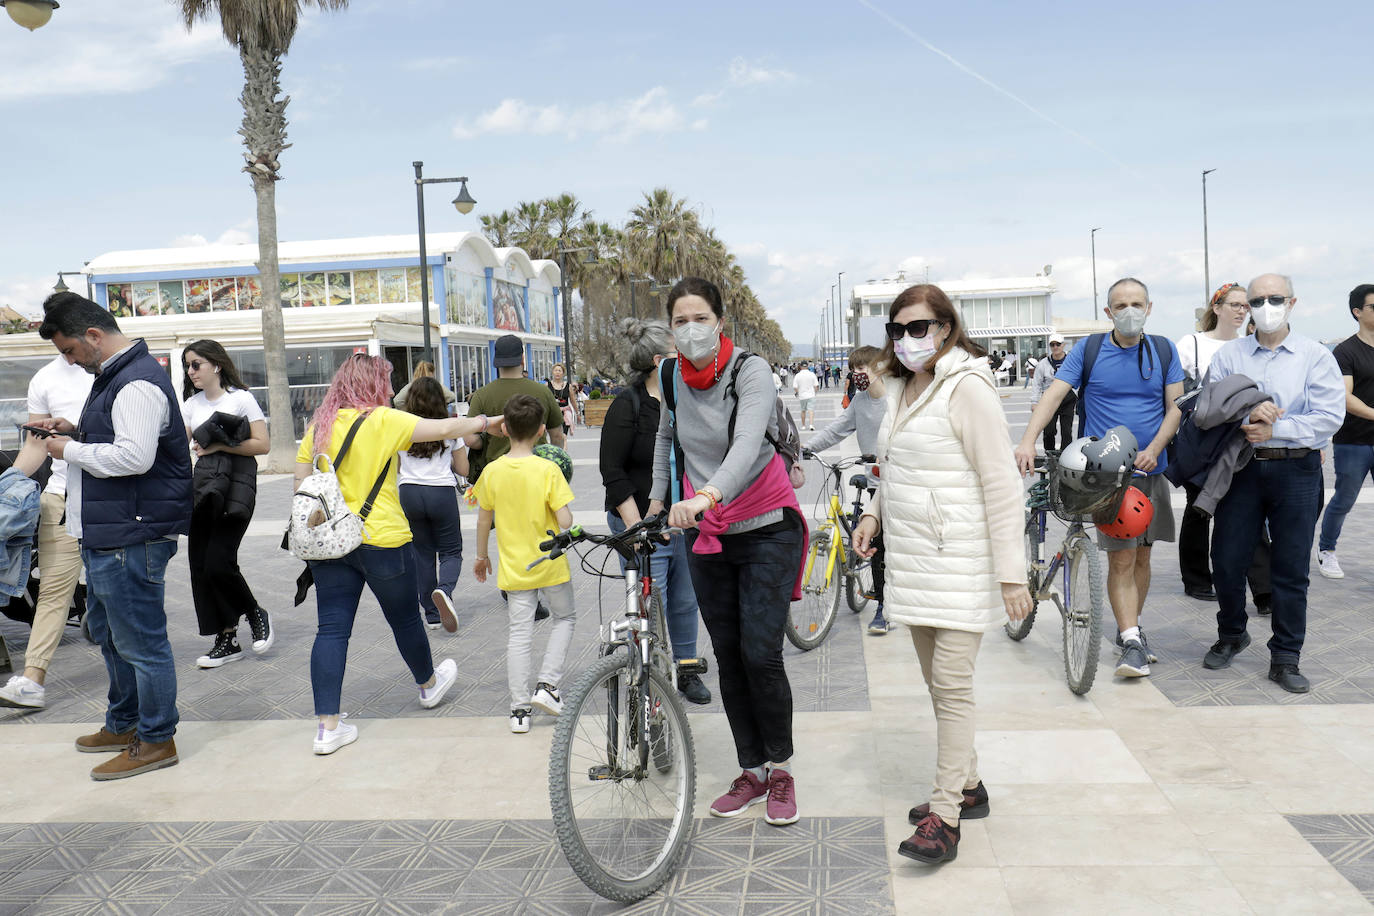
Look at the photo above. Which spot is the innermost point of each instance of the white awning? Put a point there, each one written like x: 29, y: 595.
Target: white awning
x: 1037, y: 330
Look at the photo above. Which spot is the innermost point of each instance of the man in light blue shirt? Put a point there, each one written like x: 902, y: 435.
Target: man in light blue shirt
x: 1282, y: 483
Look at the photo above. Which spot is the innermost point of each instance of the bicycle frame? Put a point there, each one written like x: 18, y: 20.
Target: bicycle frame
x: 1041, y: 586
x: 837, y: 521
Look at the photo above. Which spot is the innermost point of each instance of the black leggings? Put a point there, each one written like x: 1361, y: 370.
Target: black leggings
x: 218, y: 589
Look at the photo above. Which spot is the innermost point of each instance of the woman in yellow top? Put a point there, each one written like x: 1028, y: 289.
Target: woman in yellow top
x: 384, y: 561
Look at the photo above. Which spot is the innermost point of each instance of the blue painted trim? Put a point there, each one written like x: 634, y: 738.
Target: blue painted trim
x: 558, y: 311
x: 526, y: 307
x: 529, y: 358
x: 491, y: 306
x: 249, y: 270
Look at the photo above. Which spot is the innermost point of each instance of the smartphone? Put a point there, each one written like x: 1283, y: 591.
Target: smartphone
x: 38, y: 431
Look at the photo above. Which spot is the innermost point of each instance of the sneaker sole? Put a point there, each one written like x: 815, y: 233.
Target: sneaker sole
x: 15, y: 704
x: 447, y: 617
x: 1129, y: 671
x: 520, y: 729
x: 103, y: 749
x: 146, y: 768
x: 874, y: 631
x: 330, y: 747
x: 740, y: 810
x: 782, y: 821
x: 266, y: 643
x: 208, y: 663
x: 910, y: 853
x: 1327, y: 575
x: 546, y: 708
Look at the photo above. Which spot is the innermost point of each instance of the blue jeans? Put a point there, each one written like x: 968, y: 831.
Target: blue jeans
x: 390, y: 573
x: 668, y: 566
x: 745, y: 592
x: 127, y: 618
x: 433, y: 516
x: 1353, y: 464
x: 1285, y: 493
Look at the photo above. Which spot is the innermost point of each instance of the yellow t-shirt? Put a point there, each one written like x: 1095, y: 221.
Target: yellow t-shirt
x: 384, y: 433
x: 524, y: 493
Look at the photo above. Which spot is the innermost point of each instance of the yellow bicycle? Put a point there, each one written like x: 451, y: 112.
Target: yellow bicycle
x: 830, y: 560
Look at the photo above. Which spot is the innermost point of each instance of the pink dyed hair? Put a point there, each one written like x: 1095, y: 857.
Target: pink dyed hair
x: 362, y: 382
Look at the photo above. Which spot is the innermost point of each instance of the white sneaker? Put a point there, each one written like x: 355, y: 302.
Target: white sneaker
x: 1329, y: 565
x: 447, y: 616
x: 520, y: 720
x: 22, y: 693
x: 444, y: 676
x: 328, y: 741
x: 546, y: 699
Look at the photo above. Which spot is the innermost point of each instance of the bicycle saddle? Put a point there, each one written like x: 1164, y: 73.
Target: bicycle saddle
x: 859, y: 480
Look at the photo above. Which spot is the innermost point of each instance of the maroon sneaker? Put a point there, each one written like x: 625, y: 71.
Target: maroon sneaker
x: 782, y: 799
x: 744, y: 791
x: 972, y: 806
x: 933, y: 842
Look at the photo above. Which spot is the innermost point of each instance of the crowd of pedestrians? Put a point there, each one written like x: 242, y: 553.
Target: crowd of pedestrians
x: 1246, y: 413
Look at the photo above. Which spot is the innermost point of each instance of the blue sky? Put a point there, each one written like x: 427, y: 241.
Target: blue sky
x: 815, y: 137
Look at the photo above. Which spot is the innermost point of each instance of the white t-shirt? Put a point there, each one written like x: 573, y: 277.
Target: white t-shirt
x: 59, y: 389
x: 196, y: 409
x: 1195, y: 358
x: 434, y: 471
x: 804, y: 384
x: 777, y: 381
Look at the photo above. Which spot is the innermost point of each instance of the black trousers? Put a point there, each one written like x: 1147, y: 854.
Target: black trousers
x: 744, y: 593
x: 1064, y: 418
x: 1195, y: 548
x: 220, y: 593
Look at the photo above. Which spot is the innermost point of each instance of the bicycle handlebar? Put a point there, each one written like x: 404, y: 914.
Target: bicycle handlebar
x: 638, y: 533
x: 842, y: 463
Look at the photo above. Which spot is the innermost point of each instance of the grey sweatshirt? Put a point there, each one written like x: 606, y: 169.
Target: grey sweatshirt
x: 862, y: 419
x: 703, y: 422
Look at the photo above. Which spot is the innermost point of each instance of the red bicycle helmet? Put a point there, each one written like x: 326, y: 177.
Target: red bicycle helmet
x: 1133, y: 518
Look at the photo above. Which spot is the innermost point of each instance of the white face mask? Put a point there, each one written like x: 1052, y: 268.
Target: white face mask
x: 1129, y: 321
x: 696, y: 340
x: 912, y: 352
x: 1269, y: 318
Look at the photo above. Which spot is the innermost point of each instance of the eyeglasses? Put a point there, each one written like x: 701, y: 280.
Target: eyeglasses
x: 1272, y: 300
x: 917, y: 329
x: 1237, y: 306
x: 195, y: 365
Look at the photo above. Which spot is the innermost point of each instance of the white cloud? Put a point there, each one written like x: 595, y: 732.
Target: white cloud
x: 243, y: 233
x: 98, y: 48
x: 743, y: 73
x: 707, y: 99
x: 26, y: 294
x: 653, y: 112
x: 434, y: 64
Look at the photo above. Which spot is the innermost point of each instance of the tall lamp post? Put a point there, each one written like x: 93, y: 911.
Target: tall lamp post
x: 842, y: 316
x: 567, y: 298
x: 31, y: 14
x: 1093, y: 237
x: 464, y: 204
x: 1206, y: 263
x: 62, y: 287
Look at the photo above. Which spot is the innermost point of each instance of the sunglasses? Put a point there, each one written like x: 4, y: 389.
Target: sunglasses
x: 1272, y: 300
x: 195, y: 365
x: 917, y: 329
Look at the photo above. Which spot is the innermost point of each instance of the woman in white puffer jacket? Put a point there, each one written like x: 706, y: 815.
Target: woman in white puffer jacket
x: 950, y: 510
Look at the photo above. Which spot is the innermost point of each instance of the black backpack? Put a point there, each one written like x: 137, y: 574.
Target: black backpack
x: 1092, y: 345
x: 786, y: 443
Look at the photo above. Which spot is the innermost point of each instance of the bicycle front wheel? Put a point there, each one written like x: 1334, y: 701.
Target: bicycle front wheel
x: 1084, y: 598
x: 810, y: 619
x: 1035, y: 553
x: 623, y: 826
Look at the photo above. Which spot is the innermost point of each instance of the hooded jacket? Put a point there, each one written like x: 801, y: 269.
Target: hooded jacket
x: 1210, y: 446
x: 230, y: 480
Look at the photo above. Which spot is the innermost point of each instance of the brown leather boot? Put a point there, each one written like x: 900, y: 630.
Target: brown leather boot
x: 104, y: 740
x: 138, y: 757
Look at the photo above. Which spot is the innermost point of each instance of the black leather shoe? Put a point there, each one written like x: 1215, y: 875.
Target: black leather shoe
x: 1205, y: 593
x: 1262, y: 606
x: 1287, y: 677
x: 1223, y: 650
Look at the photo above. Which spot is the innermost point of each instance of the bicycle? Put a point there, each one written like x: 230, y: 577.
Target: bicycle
x: 622, y: 769
x: 830, y: 559
x: 1081, y: 593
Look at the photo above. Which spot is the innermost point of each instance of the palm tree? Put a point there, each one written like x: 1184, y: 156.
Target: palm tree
x: 666, y: 231
x: 261, y: 31
x: 498, y: 228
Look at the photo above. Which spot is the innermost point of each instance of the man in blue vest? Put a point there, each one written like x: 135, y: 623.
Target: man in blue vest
x: 1132, y: 379
x: 128, y: 497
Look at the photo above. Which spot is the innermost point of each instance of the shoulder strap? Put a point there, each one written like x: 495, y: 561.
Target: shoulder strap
x: 1092, y: 345
x: 372, y: 494
x: 348, y: 440
x: 732, y: 391
x: 1164, y: 350
x: 668, y: 388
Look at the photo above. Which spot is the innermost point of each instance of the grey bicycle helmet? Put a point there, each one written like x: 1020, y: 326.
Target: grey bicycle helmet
x: 1073, y: 464
x: 1108, y: 457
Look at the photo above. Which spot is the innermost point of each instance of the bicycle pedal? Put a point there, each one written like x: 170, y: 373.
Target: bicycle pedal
x: 691, y: 666
x: 599, y: 773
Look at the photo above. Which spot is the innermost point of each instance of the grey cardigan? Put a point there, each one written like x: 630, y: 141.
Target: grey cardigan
x: 1227, y: 401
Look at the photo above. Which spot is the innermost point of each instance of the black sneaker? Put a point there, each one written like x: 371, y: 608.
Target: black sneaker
x: 1223, y: 650
x: 1289, y: 678
x: 541, y: 612
x: 261, y: 625
x: 1263, y: 607
x: 226, y: 650
x: 691, y: 687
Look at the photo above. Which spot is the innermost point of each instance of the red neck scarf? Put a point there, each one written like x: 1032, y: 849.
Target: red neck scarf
x: 701, y: 379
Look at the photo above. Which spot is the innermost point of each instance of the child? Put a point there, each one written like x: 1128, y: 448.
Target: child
x: 532, y: 498
x: 862, y: 419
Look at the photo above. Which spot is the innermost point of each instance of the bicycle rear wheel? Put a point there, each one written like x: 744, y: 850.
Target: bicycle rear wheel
x: 858, y: 586
x: 1035, y: 553
x: 1084, y: 598
x: 810, y: 619
x: 623, y: 826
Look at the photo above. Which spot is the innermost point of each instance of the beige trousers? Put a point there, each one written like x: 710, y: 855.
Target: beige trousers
x: 947, y: 658
x: 59, y: 562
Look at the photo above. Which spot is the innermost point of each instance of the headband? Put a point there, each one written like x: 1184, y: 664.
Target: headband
x: 1220, y: 294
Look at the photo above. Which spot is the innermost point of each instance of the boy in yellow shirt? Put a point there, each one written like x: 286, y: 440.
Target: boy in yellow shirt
x: 532, y: 498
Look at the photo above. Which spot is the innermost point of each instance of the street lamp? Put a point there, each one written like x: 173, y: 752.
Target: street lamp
x: 1093, y: 237
x: 634, y: 312
x: 31, y: 14
x: 62, y: 287
x: 1206, y: 264
x: 463, y: 203
x: 840, y: 321
x: 567, y: 298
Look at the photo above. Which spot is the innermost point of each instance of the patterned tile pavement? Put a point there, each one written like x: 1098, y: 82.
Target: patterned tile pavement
x: 821, y: 865
x: 1347, y: 842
